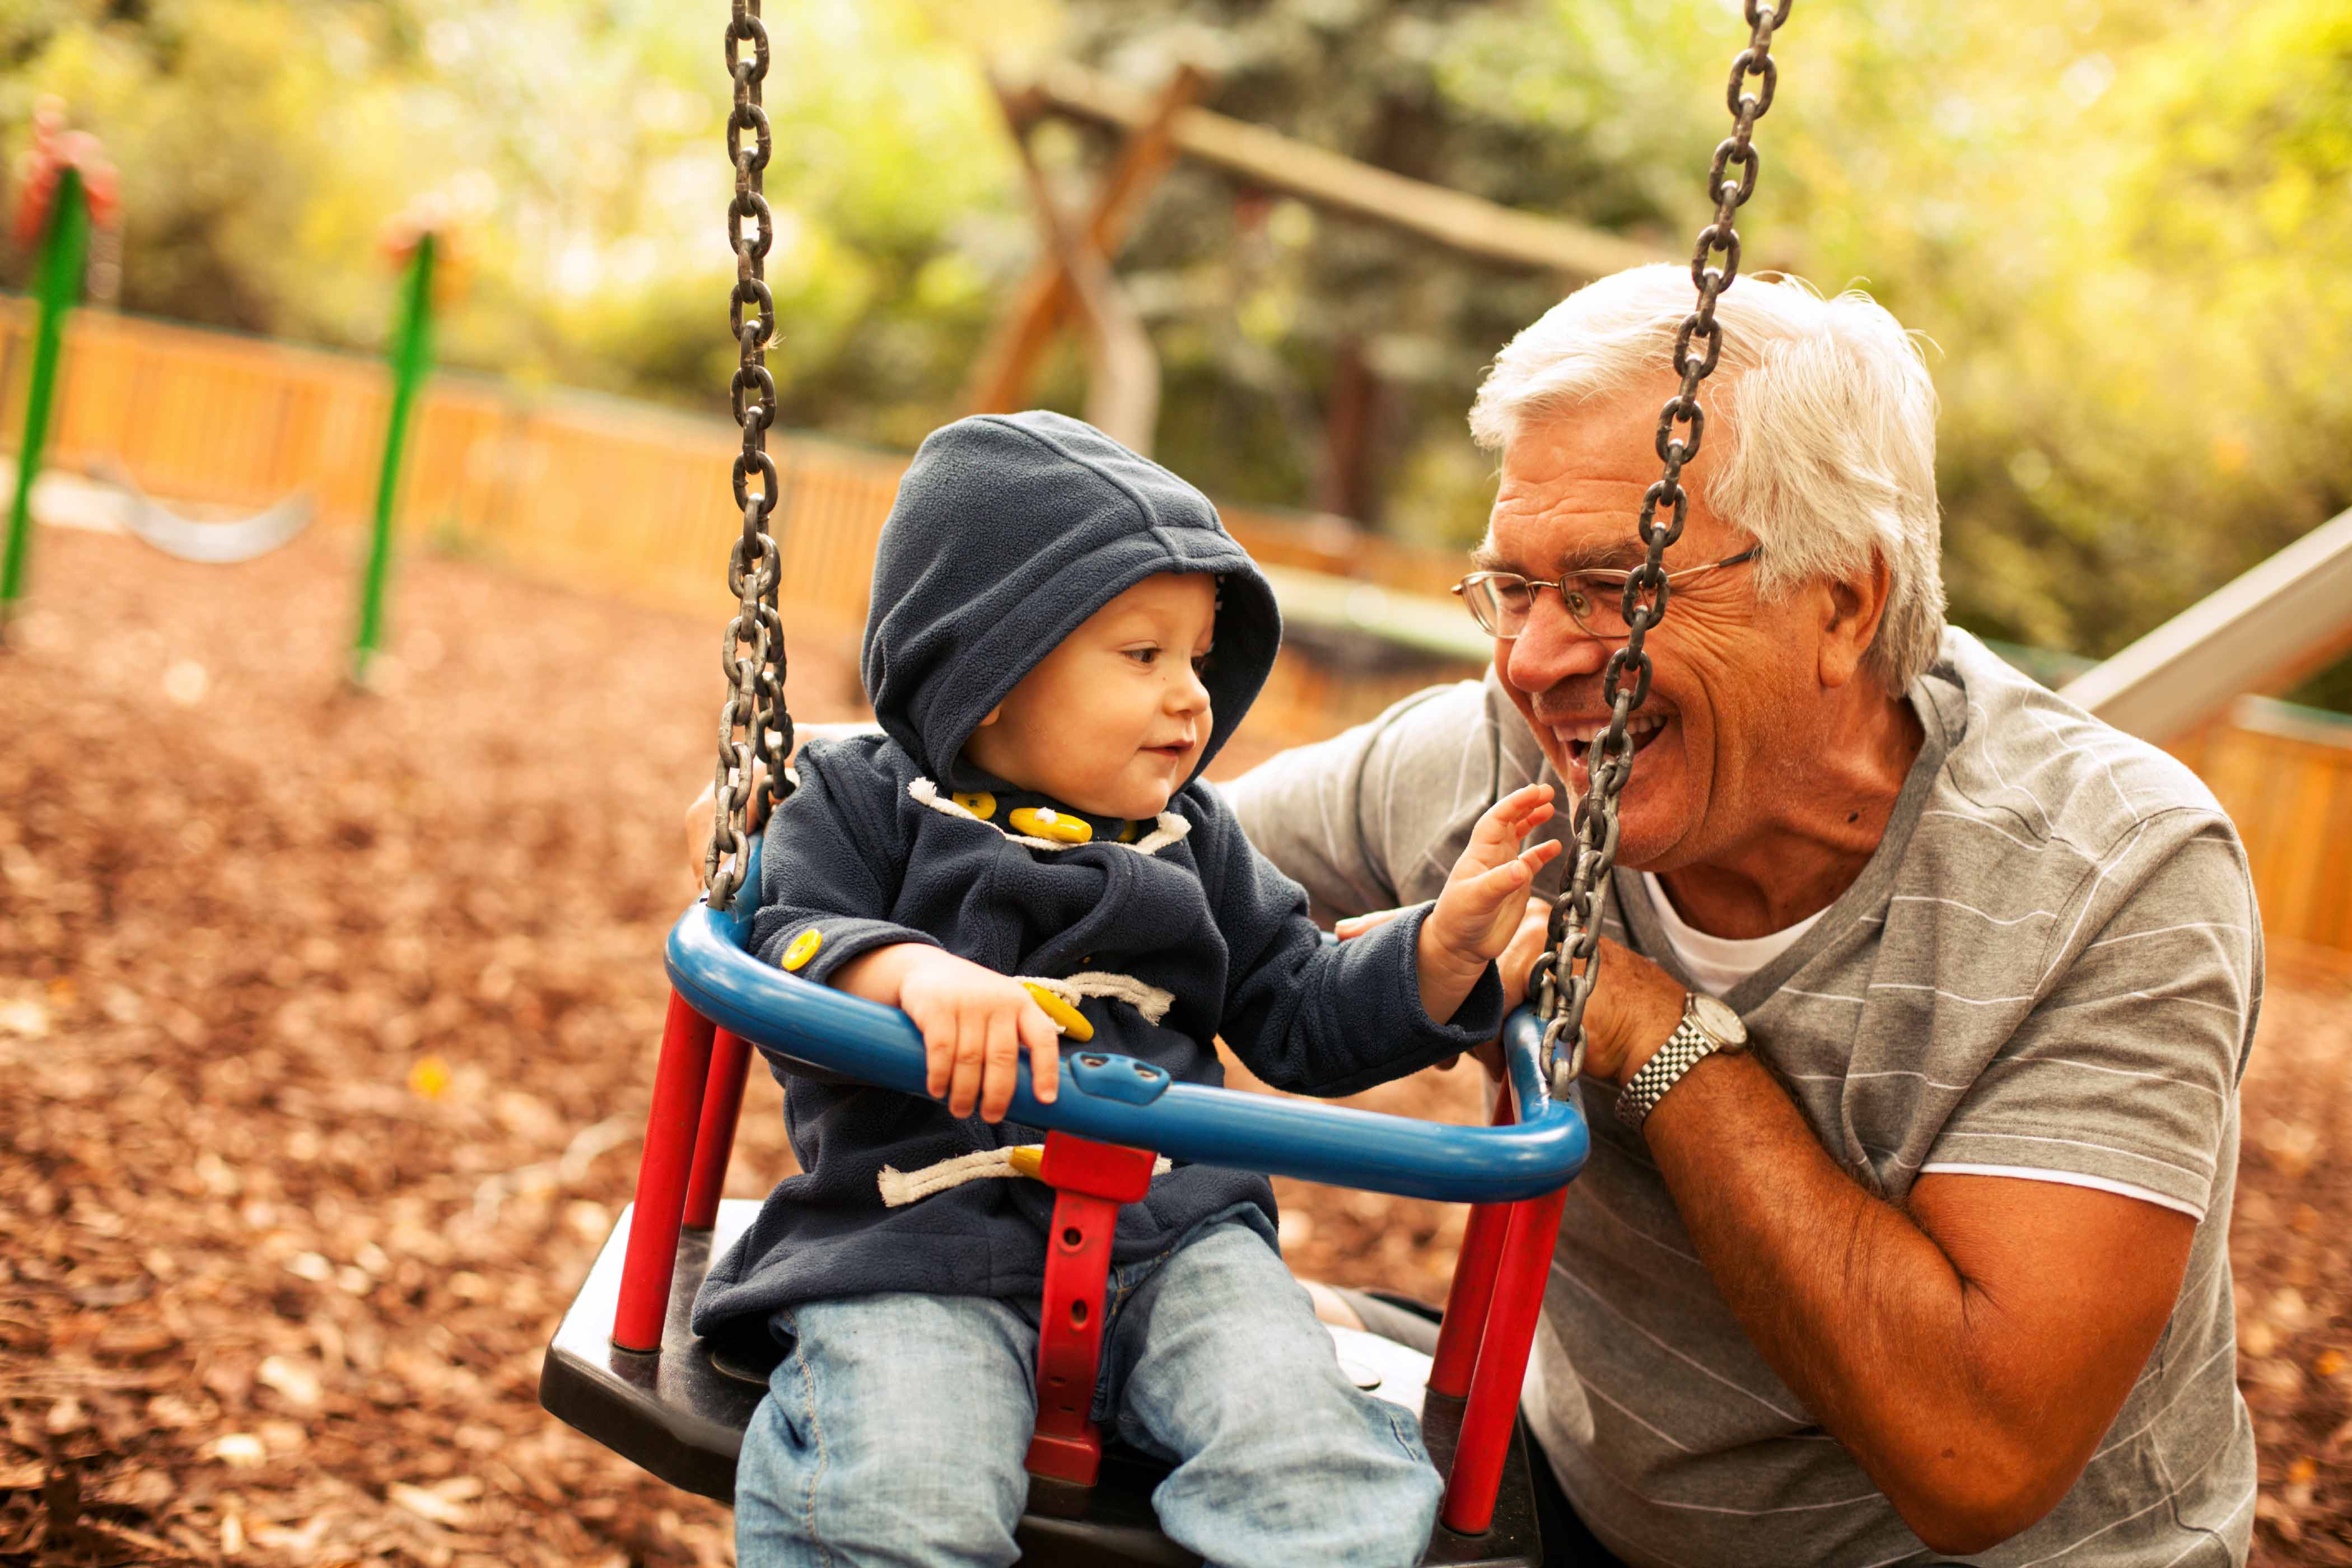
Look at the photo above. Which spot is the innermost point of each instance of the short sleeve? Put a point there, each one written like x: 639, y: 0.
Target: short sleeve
x: 2124, y: 1074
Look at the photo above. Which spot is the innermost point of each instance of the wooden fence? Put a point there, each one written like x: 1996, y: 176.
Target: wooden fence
x: 2285, y: 775
x: 632, y: 501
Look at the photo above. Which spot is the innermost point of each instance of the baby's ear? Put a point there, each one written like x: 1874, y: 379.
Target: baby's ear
x: 993, y: 715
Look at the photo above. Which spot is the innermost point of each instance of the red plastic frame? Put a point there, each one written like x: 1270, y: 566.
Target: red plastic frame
x: 714, y: 1141
x: 1482, y: 1350
x: 1090, y: 1181
x: 678, y: 1079
x: 1473, y: 1289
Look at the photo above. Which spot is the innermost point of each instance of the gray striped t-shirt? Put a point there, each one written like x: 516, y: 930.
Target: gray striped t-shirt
x: 2051, y: 966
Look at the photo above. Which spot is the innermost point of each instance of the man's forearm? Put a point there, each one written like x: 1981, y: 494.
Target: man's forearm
x: 1859, y: 1310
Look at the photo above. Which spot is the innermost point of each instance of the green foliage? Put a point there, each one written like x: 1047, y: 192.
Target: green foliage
x: 264, y: 144
x: 2120, y: 226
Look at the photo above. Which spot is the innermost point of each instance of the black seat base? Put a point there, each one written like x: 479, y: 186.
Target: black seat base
x: 680, y: 1415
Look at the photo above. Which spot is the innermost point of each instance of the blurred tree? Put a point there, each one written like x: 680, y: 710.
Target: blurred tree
x: 262, y: 143
x: 2120, y: 225
x: 2118, y: 228
x: 1319, y: 359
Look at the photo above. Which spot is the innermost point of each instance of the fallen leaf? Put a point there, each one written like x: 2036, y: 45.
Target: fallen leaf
x: 25, y: 1018
x: 429, y: 1078
x: 425, y: 1504
x: 242, y: 1449
x: 296, y: 1383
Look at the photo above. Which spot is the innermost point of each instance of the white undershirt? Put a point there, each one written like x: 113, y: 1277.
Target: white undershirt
x: 1720, y: 962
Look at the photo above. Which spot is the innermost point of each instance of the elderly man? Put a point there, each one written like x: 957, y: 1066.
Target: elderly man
x: 1925, y: 1253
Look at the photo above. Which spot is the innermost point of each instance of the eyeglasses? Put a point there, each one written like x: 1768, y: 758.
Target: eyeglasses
x: 1501, y: 601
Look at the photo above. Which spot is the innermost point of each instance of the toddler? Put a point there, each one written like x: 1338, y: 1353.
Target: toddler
x: 1062, y: 636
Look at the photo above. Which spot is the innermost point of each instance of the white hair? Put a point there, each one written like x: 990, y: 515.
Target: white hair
x: 1836, y: 395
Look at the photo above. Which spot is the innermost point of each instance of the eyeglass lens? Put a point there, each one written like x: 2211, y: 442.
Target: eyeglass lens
x: 1502, y: 605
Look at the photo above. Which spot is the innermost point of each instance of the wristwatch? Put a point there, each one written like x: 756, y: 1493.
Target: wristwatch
x: 1709, y: 1026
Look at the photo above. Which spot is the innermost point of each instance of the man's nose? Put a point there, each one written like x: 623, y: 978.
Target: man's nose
x: 1551, y: 649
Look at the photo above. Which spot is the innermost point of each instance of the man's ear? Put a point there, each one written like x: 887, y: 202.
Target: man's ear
x: 1852, y: 610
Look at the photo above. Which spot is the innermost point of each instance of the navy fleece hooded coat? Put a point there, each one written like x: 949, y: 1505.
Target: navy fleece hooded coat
x: 1008, y: 533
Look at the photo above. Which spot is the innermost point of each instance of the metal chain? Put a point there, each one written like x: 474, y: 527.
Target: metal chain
x: 1564, y: 975
x: 753, y: 725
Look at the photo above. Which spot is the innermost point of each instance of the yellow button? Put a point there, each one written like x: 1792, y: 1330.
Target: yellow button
x: 1066, y: 1018
x: 982, y: 805
x: 801, y: 948
x: 1029, y: 1158
x: 1045, y: 822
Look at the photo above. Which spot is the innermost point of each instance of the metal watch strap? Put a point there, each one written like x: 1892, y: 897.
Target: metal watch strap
x: 1684, y: 1048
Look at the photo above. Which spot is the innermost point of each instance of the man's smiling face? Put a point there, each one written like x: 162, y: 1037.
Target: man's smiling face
x: 1726, y: 719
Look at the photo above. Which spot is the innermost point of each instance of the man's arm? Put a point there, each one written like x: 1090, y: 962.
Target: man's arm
x: 1968, y: 1350
x: 1971, y: 1346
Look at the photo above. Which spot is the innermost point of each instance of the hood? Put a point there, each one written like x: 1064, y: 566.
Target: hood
x: 1008, y: 532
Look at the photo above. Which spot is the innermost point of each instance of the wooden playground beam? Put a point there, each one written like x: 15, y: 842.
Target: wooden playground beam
x: 1000, y: 377
x: 1122, y: 367
x: 1456, y: 219
x: 2281, y: 621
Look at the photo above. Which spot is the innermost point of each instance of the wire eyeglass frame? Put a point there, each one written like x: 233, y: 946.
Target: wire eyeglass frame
x: 1600, y: 591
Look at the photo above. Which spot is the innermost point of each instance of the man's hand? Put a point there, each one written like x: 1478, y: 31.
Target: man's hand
x: 975, y: 1023
x: 1634, y: 1007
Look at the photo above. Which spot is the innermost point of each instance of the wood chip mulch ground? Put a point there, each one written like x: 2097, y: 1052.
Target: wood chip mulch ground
x: 326, y: 1029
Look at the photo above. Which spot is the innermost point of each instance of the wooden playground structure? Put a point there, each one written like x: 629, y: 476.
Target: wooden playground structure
x: 631, y: 500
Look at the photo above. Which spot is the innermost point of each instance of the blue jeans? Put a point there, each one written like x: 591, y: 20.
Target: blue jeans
x: 892, y: 1433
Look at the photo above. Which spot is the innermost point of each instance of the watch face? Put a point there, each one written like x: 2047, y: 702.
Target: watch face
x: 1719, y: 1021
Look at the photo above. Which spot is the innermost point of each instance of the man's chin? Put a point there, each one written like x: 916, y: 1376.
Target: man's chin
x: 1644, y: 841
x: 1648, y: 827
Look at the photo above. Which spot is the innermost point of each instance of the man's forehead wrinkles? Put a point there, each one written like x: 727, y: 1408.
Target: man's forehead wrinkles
x: 1607, y: 546
x: 1593, y: 553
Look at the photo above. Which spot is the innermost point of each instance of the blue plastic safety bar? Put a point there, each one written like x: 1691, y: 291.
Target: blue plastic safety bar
x: 1119, y: 1099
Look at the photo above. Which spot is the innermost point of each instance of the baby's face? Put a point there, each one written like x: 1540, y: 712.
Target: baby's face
x: 1114, y: 720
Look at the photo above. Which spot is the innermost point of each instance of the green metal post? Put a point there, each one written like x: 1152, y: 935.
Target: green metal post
x: 412, y: 356
x: 65, y: 240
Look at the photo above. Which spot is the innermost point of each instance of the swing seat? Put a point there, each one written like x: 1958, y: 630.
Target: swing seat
x: 224, y: 544
x: 680, y: 1415
x: 625, y: 1368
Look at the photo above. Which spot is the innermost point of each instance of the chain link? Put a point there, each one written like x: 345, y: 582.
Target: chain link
x: 1563, y: 977
x: 755, y: 731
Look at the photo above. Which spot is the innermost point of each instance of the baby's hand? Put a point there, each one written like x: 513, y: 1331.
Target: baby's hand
x: 1487, y: 893
x: 975, y: 1022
